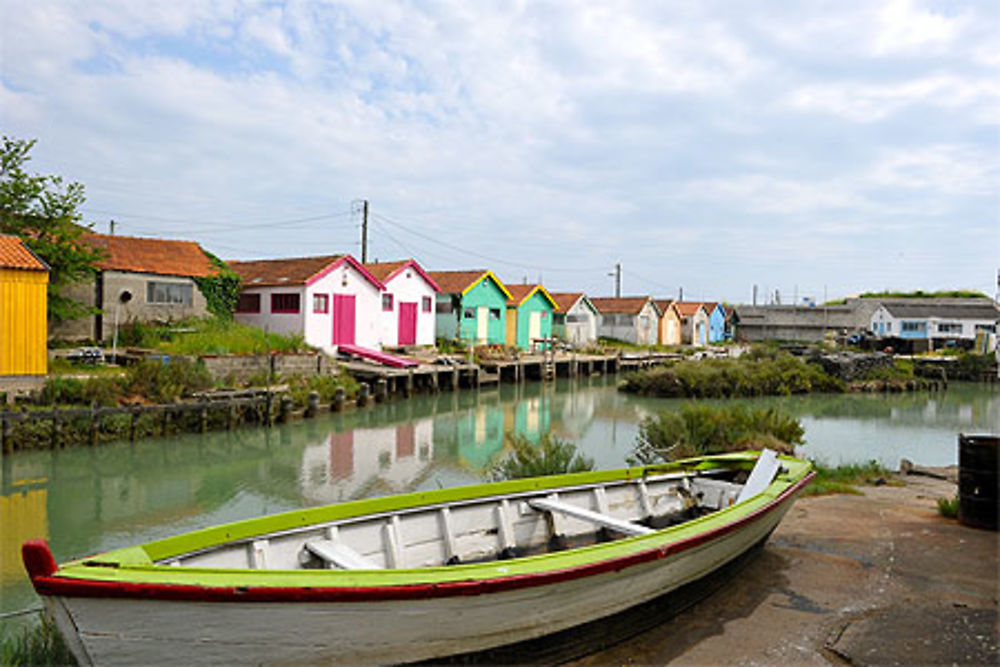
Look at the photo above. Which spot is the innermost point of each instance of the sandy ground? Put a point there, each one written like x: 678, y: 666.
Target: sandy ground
x: 876, y: 579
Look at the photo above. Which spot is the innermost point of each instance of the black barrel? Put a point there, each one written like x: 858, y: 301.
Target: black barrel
x: 978, y: 480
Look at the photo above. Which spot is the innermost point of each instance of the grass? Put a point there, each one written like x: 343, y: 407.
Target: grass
x: 551, y: 456
x: 39, y: 644
x: 208, y: 336
x: 846, y: 478
x: 948, y: 507
x: 698, y: 429
x: 763, y: 372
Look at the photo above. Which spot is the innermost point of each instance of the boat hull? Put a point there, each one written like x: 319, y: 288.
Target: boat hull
x: 182, y: 629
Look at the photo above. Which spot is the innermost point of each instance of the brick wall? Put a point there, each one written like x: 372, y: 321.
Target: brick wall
x: 239, y: 368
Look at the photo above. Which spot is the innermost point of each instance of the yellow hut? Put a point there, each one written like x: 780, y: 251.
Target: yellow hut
x: 24, y: 279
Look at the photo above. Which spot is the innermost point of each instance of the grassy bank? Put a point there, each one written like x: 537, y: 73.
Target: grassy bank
x: 38, y: 644
x: 207, y: 336
x: 761, y: 372
x: 846, y: 478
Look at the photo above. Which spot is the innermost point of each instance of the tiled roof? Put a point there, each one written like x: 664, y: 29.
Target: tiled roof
x: 626, y: 305
x: 456, y: 281
x: 664, y: 304
x: 520, y: 293
x: 15, y: 255
x: 566, y: 300
x: 275, y: 272
x: 159, y: 256
x: 688, y: 308
x: 384, y: 271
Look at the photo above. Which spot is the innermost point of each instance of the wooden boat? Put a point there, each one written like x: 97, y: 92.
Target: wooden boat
x: 417, y: 576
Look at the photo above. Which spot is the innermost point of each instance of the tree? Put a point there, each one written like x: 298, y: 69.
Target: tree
x: 44, y: 213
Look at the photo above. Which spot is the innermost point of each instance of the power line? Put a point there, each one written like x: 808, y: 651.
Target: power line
x: 466, y: 251
x: 217, y: 225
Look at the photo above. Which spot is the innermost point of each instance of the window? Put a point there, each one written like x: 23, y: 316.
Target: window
x: 888, y: 327
x: 950, y: 327
x: 248, y: 303
x: 321, y: 303
x: 914, y: 326
x: 444, y: 307
x: 175, y: 293
x: 386, y: 302
x: 874, y: 327
x: 558, y: 318
x: 469, y: 313
x: 425, y: 304
x: 285, y: 303
x: 495, y: 314
x: 545, y: 314
x: 573, y: 319
x: 985, y: 327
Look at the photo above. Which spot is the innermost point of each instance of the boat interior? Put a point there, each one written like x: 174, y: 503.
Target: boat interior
x: 493, y: 528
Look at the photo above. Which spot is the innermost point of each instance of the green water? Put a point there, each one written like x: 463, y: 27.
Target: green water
x: 86, y: 500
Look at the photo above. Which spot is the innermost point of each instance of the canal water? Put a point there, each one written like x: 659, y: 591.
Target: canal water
x: 87, y: 500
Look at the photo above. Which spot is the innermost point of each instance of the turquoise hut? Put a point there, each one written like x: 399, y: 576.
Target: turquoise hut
x: 529, y: 316
x: 471, y: 307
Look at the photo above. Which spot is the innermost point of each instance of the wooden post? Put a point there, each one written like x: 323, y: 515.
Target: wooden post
x: 94, y: 424
x: 312, y: 404
x: 267, y: 407
x: 363, y: 395
x: 56, y: 426
x: 381, y: 390
x: 338, y: 400
x: 5, y: 439
x: 230, y: 415
x: 134, y: 411
x: 165, y: 422
x: 203, y: 415
x: 284, y: 408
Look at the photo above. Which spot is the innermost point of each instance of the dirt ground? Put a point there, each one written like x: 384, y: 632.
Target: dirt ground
x: 877, y: 579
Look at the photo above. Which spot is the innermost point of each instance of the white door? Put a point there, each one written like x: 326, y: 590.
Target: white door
x: 482, y: 324
x: 534, y: 327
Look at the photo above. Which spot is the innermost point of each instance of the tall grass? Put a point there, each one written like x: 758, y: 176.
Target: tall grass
x: 208, y: 336
x: 39, y: 644
x: 760, y: 374
x: 845, y: 478
x: 698, y: 429
x: 551, y: 456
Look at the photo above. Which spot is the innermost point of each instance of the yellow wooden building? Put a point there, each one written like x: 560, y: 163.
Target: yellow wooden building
x: 24, y: 279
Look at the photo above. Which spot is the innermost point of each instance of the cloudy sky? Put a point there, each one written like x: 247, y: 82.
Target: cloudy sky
x: 807, y: 147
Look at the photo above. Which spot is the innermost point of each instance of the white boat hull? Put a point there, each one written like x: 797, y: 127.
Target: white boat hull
x: 113, y: 631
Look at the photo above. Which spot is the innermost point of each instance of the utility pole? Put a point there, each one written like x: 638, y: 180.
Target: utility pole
x: 112, y: 226
x: 364, y: 231
x: 755, y: 294
x: 680, y: 294
x: 618, y: 280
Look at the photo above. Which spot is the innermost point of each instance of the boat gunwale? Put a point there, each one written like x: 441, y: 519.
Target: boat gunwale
x: 65, y: 585
x: 416, y: 509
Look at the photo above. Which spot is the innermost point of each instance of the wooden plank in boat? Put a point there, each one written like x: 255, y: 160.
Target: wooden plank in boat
x: 340, y: 555
x: 761, y: 476
x: 626, y: 527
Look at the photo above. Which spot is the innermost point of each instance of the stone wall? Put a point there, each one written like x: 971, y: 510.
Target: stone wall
x: 851, y: 365
x: 240, y: 368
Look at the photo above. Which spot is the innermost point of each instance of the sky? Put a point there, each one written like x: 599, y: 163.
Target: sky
x: 813, y: 149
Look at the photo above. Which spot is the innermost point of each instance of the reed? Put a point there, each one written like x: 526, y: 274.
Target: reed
x: 551, y: 456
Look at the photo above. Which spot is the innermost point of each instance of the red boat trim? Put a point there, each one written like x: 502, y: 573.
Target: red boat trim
x: 67, y: 587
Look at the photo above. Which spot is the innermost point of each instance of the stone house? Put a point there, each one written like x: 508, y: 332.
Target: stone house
x: 631, y: 319
x: 138, y: 280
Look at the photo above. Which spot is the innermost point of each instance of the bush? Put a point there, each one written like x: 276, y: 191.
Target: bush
x: 164, y: 382
x: 759, y: 373
x: 697, y: 430
x: 948, y: 507
x: 551, y: 456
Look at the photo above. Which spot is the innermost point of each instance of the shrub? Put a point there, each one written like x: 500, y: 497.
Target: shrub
x: 698, y: 429
x: 163, y: 381
x: 758, y: 373
x: 948, y: 507
x: 551, y: 456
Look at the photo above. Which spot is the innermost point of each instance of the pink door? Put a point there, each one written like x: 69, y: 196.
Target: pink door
x: 343, y: 319
x: 407, y: 324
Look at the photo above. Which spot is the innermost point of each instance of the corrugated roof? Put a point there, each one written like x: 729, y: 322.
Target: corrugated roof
x: 143, y: 255
x: 276, y: 272
x: 626, y: 305
x: 984, y: 310
x: 15, y: 255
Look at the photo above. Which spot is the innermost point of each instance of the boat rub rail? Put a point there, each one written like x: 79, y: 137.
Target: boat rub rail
x: 48, y: 580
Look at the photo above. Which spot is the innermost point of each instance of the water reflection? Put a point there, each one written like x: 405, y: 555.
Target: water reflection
x: 86, y: 500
